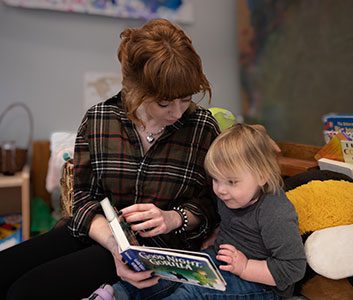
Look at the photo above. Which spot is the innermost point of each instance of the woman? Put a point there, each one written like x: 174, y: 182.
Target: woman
x: 144, y: 150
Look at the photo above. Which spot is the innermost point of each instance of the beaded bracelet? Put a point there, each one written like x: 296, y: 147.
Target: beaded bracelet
x: 184, y: 219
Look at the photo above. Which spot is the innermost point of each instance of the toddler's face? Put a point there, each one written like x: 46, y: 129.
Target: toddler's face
x: 237, y: 191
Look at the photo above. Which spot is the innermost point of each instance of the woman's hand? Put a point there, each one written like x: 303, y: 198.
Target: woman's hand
x: 236, y: 261
x: 149, y: 220
x: 138, y: 279
x: 102, y: 234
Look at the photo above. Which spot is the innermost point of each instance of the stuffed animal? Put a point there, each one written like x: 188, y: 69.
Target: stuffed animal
x: 324, y: 203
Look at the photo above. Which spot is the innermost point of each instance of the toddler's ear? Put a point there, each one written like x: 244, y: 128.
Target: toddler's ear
x: 261, y: 180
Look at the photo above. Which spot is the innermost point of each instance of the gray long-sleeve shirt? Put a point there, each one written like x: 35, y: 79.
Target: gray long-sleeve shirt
x: 267, y: 230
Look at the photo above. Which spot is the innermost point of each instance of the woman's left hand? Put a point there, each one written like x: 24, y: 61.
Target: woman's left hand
x: 149, y: 220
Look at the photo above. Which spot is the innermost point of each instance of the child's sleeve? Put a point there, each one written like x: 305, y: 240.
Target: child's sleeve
x: 280, y: 233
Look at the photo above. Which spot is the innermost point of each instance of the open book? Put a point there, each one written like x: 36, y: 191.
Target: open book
x: 171, y: 264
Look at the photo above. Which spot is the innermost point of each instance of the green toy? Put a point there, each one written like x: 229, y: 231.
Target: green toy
x: 224, y: 117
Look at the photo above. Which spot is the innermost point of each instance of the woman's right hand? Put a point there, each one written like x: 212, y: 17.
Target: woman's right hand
x: 102, y: 234
x: 138, y: 279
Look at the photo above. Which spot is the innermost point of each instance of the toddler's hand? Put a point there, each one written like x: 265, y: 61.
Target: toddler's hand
x: 235, y: 260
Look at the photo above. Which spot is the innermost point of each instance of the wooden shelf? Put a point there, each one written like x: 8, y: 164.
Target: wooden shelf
x: 21, y: 180
x: 296, y: 158
x: 292, y: 166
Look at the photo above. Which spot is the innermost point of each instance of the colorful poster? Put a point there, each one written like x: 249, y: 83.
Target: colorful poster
x: 175, y: 10
x: 295, y: 62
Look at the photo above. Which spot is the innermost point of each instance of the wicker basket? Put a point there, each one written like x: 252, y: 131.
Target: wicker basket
x: 21, y: 154
x: 66, y: 183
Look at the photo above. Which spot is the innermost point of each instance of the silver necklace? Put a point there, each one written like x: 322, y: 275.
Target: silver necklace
x: 151, y: 135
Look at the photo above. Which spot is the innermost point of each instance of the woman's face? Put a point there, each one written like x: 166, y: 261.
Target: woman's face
x: 167, y: 112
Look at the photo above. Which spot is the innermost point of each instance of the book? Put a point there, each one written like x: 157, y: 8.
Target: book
x: 335, y: 123
x: 189, y: 267
x: 336, y: 166
x: 347, y: 151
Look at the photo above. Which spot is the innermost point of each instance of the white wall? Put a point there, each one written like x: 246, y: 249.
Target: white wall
x: 44, y: 55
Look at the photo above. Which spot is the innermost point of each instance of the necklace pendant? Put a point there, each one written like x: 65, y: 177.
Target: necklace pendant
x: 150, y: 138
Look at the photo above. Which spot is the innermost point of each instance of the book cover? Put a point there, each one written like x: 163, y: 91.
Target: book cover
x: 335, y: 123
x: 347, y: 151
x: 189, y: 267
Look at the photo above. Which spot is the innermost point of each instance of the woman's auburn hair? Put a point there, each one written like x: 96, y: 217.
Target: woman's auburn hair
x: 159, y: 62
x: 245, y: 147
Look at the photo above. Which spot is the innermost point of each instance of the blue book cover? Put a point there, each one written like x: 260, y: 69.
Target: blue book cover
x: 189, y: 267
x: 338, y: 123
x: 335, y: 122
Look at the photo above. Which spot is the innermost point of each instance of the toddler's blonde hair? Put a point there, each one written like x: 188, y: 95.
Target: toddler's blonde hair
x: 245, y: 148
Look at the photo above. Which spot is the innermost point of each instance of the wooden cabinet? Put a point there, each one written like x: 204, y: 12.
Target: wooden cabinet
x: 296, y: 158
x: 7, y: 204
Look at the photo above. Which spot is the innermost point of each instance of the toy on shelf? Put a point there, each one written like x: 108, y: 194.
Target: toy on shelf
x: 10, y: 230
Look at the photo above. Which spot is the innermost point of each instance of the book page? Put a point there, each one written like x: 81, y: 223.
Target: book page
x: 130, y: 235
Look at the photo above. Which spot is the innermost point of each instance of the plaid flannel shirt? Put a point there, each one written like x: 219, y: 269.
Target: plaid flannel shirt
x: 110, y: 162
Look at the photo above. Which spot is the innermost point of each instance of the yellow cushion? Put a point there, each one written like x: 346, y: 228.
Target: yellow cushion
x: 322, y: 204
